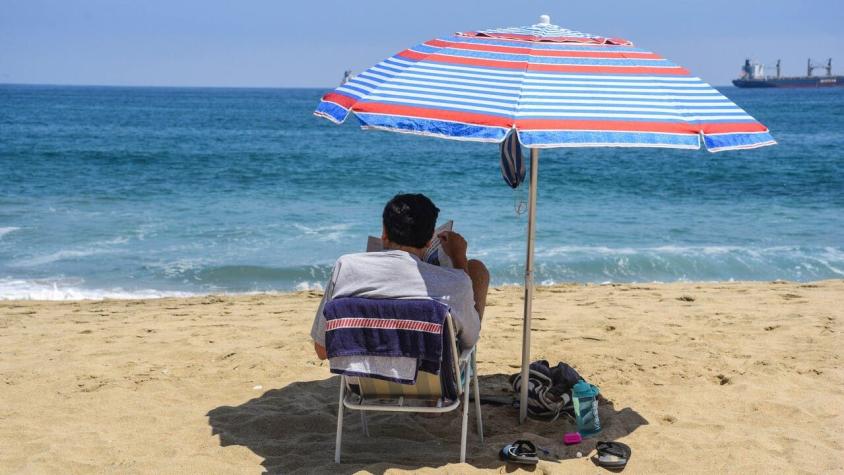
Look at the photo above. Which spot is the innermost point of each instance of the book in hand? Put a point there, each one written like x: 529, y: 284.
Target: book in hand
x: 434, y: 254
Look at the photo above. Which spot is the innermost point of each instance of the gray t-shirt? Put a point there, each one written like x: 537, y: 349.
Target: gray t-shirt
x: 398, y: 274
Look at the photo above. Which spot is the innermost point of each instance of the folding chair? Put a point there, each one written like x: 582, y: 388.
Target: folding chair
x: 369, y: 394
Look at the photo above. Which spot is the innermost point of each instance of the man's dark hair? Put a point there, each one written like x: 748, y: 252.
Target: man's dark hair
x: 410, y: 220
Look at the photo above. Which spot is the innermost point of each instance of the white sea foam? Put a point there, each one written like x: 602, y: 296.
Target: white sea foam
x: 671, y: 250
x: 59, y: 256
x: 71, y: 289
x: 61, y: 289
x: 301, y: 286
x: 6, y: 230
x: 702, y: 263
x: 113, y: 241
x: 108, y: 246
x: 331, y: 233
x: 180, y: 267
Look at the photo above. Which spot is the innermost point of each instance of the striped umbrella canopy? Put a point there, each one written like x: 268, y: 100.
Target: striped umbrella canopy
x: 555, y: 87
x: 551, y: 87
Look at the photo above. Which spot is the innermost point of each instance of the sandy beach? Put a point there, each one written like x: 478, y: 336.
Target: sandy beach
x: 716, y: 377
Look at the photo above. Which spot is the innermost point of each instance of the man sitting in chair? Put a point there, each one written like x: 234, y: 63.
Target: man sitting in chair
x: 399, y: 272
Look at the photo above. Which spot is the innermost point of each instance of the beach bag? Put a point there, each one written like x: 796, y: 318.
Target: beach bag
x: 549, y: 390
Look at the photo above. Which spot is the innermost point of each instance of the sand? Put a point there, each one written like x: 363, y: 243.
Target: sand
x: 721, y: 377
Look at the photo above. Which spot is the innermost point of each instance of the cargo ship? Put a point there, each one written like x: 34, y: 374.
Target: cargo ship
x: 753, y: 75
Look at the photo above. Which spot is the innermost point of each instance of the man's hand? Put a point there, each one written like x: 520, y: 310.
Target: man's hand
x: 320, y: 351
x: 455, y: 246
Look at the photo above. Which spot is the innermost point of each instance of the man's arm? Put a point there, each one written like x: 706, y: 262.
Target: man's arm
x: 468, y: 307
x: 318, y: 328
x: 455, y: 246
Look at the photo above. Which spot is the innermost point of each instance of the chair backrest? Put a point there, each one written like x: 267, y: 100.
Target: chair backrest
x: 428, y: 386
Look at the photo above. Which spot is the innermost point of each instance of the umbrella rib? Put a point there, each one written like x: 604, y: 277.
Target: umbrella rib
x: 523, y: 80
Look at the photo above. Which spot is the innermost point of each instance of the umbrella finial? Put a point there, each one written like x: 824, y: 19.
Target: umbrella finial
x: 544, y: 19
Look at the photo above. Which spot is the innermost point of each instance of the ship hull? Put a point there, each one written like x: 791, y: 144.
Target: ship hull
x: 807, y: 82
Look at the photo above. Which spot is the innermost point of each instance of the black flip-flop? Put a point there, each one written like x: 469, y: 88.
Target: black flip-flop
x: 520, y: 451
x: 612, y: 455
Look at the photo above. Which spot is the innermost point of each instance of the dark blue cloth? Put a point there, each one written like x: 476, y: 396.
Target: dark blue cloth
x: 391, y: 327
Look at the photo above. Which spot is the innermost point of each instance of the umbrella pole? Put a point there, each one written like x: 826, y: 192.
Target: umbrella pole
x: 531, y: 236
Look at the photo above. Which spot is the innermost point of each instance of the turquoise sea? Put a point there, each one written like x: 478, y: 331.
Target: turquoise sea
x: 113, y: 192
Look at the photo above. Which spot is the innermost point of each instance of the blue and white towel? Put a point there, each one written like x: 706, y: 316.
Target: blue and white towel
x: 359, y: 332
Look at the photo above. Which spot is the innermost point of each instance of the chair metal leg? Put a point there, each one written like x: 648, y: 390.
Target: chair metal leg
x: 363, y: 423
x: 339, y: 421
x: 465, y: 424
x: 477, y: 397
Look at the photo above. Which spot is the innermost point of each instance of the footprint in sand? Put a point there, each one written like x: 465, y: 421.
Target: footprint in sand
x: 90, y: 383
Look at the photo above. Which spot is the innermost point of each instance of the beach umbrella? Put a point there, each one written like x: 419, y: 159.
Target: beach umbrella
x: 552, y: 87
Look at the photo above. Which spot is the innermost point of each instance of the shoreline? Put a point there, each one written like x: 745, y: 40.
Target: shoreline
x: 178, y: 295
x: 731, y: 377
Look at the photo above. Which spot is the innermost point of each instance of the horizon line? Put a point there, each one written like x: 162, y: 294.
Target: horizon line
x: 162, y: 86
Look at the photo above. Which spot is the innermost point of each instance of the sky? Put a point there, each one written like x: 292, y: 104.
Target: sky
x: 287, y: 43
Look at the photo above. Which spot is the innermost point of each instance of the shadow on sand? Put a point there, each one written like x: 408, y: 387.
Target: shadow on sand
x: 293, y: 430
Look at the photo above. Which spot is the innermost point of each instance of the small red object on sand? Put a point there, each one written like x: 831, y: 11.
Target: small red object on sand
x: 572, y: 438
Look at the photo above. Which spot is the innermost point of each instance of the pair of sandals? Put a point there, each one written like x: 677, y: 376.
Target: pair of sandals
x: 611, y: 455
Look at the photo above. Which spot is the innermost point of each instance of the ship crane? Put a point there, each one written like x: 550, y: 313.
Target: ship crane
x: 347, y: 76
x: 812, y: 66
x: 777, y: 67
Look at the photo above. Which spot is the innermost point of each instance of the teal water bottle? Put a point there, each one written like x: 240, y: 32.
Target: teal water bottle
x: 585, y: 400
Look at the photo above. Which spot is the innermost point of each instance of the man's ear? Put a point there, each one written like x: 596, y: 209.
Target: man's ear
x: 383, y: 233
x: 428, y: 244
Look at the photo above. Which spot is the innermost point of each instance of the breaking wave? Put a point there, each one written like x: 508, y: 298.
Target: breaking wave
x: 553, y: 265
x: 19, y: 289
x: 678, y: 263
x: 6, y: 230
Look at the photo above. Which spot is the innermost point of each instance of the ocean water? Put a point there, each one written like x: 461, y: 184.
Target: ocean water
x: 120, y: 192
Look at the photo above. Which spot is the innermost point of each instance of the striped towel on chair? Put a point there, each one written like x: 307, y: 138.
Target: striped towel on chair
x: 398, y: 329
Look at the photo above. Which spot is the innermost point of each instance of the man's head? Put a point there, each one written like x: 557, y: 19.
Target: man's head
x: 409, y: 220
